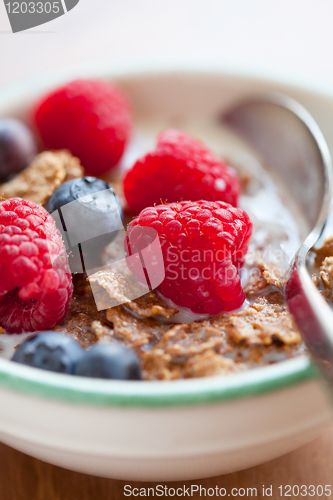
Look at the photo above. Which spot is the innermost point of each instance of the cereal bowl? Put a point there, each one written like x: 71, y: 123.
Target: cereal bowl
x: 165, y: 430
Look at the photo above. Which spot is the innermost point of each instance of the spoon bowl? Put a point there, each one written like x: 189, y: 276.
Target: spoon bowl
x: 294, y: 150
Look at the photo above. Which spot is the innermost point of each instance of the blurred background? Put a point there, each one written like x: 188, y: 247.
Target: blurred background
x: 287, y: 37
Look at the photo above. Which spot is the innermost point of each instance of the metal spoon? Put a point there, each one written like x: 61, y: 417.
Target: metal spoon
x: 293, y: 148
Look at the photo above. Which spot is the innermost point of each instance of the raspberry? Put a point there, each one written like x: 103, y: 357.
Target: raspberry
x: 202, y: 243
x: 90, y: 118
x: 35, y: 285
x: 180, y: 168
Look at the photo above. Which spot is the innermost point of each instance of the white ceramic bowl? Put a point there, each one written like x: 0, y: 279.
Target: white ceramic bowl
x: 165, y: 430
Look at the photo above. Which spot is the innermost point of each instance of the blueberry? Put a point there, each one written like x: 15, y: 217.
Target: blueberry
x: 88, y: 213
x: 78, y: 188
x: 53, y: 351
x: 17, y: 148
x: 112, y: 361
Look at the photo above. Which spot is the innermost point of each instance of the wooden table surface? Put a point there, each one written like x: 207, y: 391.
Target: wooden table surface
x: 25, y: 478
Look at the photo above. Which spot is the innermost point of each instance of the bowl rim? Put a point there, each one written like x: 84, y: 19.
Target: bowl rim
x: 67, y: 388
x: 119, y: 393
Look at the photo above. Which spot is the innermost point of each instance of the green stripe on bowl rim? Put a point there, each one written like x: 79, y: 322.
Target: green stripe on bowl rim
x: 87, y: 391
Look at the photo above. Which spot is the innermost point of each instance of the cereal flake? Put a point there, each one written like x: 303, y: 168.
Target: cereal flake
x: 38, y: 181
x: 264, y: 322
